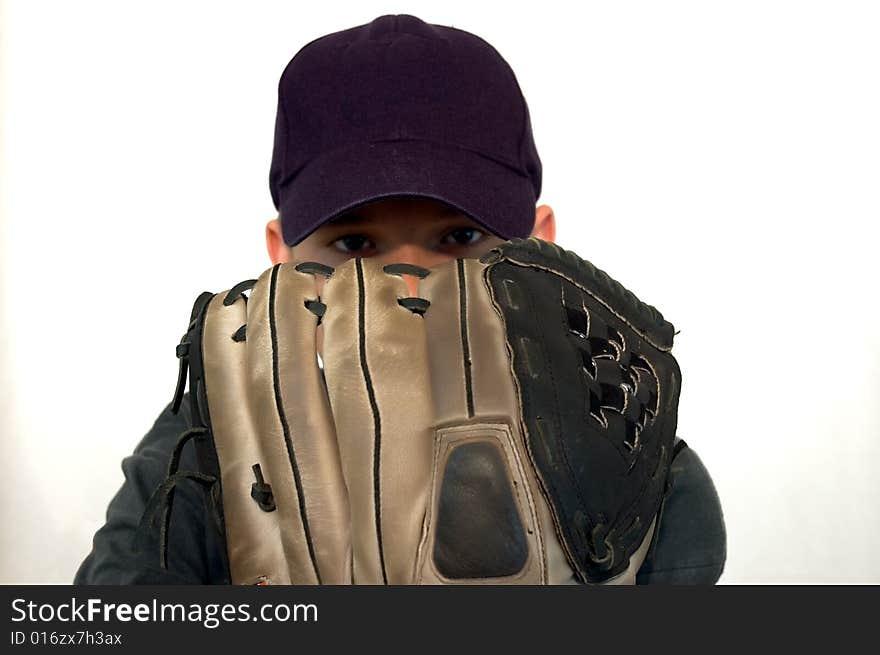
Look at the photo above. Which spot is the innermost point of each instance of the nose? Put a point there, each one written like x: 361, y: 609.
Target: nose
x: 403, y: 254
x: 414, y: 255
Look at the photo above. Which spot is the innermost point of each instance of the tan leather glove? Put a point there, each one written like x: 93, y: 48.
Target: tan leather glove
x: 512, y: 424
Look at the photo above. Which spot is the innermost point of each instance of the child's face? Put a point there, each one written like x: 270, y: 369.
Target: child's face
x: 416, y: 231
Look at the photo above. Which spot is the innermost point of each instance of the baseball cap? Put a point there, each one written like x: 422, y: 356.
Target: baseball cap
x: 400, y: 107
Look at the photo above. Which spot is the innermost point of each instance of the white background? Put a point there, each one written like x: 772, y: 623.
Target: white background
x: 721, y: 159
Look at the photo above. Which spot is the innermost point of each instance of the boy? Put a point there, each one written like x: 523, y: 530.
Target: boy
x: 410, y: 143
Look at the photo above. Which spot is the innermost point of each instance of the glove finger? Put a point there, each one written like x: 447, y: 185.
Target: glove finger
x: 255, y: 553
x: 304, y: 395
x: 486, y: 510
x: 292, y: 415
x: 375, y: 359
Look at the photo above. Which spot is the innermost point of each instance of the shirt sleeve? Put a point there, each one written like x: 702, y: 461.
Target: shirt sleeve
x: 691, y: 541
x: 689, y: 548
x: 194, y: 546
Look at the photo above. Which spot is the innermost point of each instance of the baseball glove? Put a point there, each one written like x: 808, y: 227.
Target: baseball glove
x: 512, y: 423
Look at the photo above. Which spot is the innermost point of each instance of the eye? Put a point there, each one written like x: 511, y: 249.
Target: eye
x: 463, y: 236
x: 353, y: 243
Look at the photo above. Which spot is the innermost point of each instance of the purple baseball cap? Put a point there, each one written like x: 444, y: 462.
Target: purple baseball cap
x: 399, y: 107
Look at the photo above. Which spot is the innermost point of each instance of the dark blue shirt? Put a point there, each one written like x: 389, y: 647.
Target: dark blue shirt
x: 690, y: 546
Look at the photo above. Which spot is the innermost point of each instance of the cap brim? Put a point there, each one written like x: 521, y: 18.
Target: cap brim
x: 491, y: 193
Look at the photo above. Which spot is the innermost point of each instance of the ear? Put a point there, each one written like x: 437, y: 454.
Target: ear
x: 279, y: 252
x: 545, y: 224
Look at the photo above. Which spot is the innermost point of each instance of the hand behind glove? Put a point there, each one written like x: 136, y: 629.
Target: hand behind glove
x: 511, y: 424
